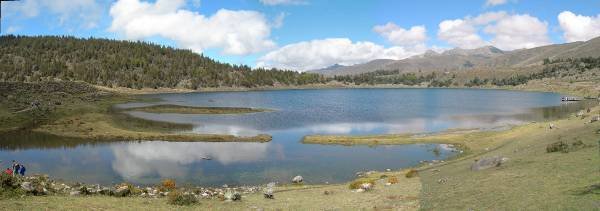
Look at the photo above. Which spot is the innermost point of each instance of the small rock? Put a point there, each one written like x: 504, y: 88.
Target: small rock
x: 388, y: 170
x: 552, y: 126
x: 388, y: 184
x: 359, y: 190
x: 268, y: 193
x: 366, y: 186
x: 297, y: 179
x: 26, y: 186
x: 442, y: 181
x: 485, y: 163
x: 327, y: 192
x: 75, y: 193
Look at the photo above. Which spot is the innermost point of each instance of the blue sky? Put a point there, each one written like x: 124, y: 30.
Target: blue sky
x: 309, y: 34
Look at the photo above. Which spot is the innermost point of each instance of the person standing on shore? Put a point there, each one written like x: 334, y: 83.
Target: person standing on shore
x: 15, y: 168
x: 21, y: 169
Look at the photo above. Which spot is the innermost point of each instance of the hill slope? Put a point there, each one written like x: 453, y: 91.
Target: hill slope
x: 128, y: 64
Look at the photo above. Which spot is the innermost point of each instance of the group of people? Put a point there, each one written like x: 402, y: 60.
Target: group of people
x: 17, y: 169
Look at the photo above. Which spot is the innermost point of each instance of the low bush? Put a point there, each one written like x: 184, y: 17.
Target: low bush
x: 169, y: 184
x: 559, y: 146
x: 357, y: 184
x: 10, y: 186
x: 562, y: 146
x: 178, y: 198
x: 411, y: 173
x: 393, y: 180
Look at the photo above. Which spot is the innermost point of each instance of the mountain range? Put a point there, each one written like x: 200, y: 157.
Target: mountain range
x: 487, y: 57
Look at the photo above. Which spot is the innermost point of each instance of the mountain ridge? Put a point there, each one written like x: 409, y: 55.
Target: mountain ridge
x: 486, y: 57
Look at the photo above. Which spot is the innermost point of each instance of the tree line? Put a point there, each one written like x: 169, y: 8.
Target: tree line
x: 129, y: 64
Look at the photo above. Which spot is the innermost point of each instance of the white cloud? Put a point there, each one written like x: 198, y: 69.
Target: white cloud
x: 316, y: 54
x: 416, y: 35
x: 235, y: 32
x: 579, y: 27
x: 518, y: 31
x: 282, y: 2
x: 278, y: 21
x: 460, y: 33
x: 85, y: 13
x: 508, y: 32
x: 495, y: 2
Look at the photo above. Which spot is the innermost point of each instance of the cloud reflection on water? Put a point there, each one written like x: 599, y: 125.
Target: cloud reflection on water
x: 168, y: 159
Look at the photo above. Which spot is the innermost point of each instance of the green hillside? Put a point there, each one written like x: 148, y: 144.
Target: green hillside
x: 128, y: 64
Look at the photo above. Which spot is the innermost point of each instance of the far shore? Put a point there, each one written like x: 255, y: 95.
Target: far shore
x: 579, y: 89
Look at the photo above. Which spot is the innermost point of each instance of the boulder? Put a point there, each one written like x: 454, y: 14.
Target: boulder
x: 74, y: 193
x: 488, y: 162
x: 268, y: 193
x: 26, y: 186
x: 297, y: 179
x: 366, y: 186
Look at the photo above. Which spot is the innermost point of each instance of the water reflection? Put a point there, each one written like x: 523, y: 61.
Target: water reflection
x: 168, y: 159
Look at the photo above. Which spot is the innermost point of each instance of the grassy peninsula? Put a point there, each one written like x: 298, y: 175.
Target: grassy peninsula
x: 78, y: 110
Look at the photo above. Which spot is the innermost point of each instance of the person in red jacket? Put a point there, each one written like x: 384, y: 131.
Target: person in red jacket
x: 8, y: 171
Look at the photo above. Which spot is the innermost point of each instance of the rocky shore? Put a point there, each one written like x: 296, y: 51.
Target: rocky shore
x: 39, y: 185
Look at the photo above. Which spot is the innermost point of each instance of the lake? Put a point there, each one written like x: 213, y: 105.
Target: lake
x: 296, y: 113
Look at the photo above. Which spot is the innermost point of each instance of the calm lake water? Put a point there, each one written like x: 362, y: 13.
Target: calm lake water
x: 296, y: 113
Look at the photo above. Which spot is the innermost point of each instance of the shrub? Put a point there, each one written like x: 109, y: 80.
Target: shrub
x: 393, y: 180
x: 168, y: 184
x: 9, y: 181
x: 411, y: 173
x: 357, y: 184
x: 178, y: 198
x: 10, y: 186
x: 559, y: 146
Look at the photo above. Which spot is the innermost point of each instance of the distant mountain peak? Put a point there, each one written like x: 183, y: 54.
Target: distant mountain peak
x: 329, y: 68
x: 483, y: 51
x: 431, y: 53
